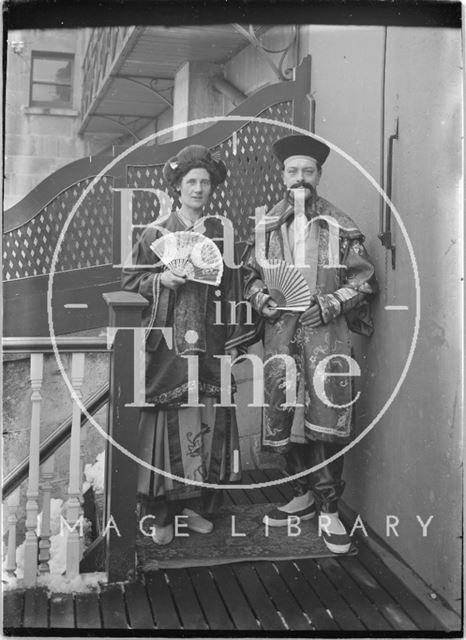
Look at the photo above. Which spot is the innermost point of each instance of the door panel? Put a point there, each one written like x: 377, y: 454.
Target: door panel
x: 411, y: 463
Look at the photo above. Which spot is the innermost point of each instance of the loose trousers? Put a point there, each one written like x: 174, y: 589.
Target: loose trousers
x: 325, y: 483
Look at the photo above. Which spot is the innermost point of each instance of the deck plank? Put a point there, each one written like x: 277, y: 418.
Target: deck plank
x: 113, y: 607
x: 161, y: 600
x: 188, y: 606
x: 210, y: 599
x: 238, y: 496
x: 13, y: 606
x: 87, y: 611
x: 258, y: 597
x: 420, y: 615
x: 36, y: 608
x: 387, y: 606
x: 354, y: 596
x: 62, y: 611
x: 284, y: 488
x: 137, y: 603
x: 256, y: 496
x: 282, y: 597
x: 306, y: 596
x: 227, y: 499
x: 272, y: 494
x: 238, y: 607
x: 332, y: 600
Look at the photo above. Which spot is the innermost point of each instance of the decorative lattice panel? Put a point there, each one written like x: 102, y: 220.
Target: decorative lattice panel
x: 254, y: 176
x: 253, y: 180
x: 28, y: 250
x: 146, y: 206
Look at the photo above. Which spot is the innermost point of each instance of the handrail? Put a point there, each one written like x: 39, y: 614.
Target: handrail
x: 45, y: 344
x: 50, y: 188
x: 54, y: 440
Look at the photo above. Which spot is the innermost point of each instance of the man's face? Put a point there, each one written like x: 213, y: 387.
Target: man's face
x: 301, y: 171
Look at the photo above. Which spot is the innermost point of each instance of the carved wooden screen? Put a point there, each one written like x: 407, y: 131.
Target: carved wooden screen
x: 91, y: 245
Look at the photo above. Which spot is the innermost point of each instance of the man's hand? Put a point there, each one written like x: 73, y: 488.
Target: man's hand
x: 269, y: 310
x: 233, y: 352
x: 311, y: 317
x: 171, y: 281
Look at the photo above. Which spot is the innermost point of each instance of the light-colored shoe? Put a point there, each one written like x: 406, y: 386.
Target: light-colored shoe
x: 196, y: 522
x: 335, y: 536
x: 163, y: 535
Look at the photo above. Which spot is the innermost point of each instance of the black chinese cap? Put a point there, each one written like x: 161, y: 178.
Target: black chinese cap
x: 193, y: 157
x: 299, y: 145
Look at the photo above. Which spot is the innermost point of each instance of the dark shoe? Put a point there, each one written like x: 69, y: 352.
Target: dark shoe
x: 278, y: 518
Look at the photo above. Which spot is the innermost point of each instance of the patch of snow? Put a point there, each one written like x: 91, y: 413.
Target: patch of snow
x: 56, y: 583
x: 79, y: 584
x: 10, y: 582
x: 95, y: 474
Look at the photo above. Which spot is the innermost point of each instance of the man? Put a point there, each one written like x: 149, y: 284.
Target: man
x: 327, y: 248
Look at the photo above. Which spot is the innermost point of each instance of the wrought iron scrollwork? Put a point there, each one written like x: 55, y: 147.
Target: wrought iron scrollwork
x: 265, y: 53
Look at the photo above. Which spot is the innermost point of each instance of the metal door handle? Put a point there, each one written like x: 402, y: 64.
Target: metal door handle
x: 385, y: 234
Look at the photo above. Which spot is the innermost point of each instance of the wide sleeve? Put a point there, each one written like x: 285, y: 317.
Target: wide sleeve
x: 142, y: 274
x: 241, y: 317
x: 358, y: 285
x: 255, y: 290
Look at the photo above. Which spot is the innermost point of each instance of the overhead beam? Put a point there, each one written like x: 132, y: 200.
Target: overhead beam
x: 229, y: 90
x: 129, y: 75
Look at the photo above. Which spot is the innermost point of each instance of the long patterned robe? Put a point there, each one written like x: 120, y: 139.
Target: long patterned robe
x: 190, y: 442
x: 326, y: 411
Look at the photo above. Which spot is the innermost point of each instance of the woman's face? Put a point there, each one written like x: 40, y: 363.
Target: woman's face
x: 195, y: 189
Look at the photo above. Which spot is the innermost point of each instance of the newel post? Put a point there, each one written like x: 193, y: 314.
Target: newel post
x: 125, y: 310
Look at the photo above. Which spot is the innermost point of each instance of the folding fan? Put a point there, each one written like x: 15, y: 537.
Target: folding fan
x: 287, y: 286
x: 190, y: 254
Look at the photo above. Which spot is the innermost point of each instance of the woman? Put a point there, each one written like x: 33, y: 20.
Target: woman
x: 196, y: 443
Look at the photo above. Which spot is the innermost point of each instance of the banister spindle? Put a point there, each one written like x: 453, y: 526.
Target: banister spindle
x: 12, y: 504
x: 73, y: 546
x: 48, y: 472
x: 30, y: 547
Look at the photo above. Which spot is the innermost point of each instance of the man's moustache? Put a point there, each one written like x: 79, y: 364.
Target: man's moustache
x: 302, y: 185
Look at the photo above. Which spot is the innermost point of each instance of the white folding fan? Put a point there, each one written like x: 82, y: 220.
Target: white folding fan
x: 190, y: 254
x: 287, y: 286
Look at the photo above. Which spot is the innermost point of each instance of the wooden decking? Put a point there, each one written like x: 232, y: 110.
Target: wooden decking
x: 360, y: 595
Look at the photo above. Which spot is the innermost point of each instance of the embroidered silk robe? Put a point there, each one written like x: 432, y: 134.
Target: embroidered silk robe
x: 324, y: 407
x: 198, y: 315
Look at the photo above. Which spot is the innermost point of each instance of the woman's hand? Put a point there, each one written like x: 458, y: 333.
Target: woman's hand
x: 269, y: 310
x: 171, y: 281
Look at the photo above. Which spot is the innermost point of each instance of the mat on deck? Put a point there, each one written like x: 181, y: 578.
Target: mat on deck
x: 223, y: 547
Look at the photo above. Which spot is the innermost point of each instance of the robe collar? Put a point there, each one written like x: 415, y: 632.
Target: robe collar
x: 283, y: 212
